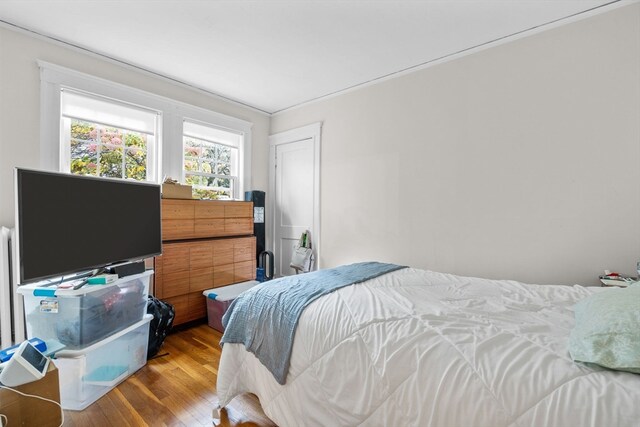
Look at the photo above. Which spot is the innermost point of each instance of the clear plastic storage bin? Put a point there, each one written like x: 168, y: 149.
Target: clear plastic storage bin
x: 88, y: 374
x: 79, y: 318
x: 219, y: 300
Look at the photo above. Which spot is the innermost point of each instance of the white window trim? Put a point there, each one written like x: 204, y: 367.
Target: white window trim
x: 169, y: 136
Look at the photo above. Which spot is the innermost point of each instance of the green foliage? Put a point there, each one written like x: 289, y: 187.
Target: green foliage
x: 107, y: 151
x: 82, y: 130
x: 210, y: 162
x: 206, y: 194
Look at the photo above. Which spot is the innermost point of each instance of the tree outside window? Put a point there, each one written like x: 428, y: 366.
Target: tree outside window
x: 208, y: 168
x: 107, y: 151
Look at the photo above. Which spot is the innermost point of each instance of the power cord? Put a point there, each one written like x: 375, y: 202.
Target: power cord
x: 3, y: 418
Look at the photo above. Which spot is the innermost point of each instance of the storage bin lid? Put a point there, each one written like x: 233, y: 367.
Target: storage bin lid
x: 40, y: 290
x: 230, y: 292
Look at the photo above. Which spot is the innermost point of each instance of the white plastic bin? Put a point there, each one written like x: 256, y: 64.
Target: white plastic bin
x: 79, y: 318
x: 88, y: 374
x: 219, y: 300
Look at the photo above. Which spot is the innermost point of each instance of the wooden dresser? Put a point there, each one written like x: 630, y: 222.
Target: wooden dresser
x: 206, y: 244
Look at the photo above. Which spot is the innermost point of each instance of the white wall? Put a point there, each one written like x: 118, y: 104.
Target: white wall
x: 521, y: 161
x: 20, y: 105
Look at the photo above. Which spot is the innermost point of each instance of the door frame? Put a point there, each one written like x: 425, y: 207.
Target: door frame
x: 313, y: 132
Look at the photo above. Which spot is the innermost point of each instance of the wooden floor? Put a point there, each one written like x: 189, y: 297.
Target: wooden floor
x: 177, y: 389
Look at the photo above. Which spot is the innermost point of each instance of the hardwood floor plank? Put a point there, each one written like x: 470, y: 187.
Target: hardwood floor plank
x: 187, y: 412
x: 198, y: 400
x: 126, y: 418
x: 78, y: 418
x: 177, y: 389
x: 149, y: 409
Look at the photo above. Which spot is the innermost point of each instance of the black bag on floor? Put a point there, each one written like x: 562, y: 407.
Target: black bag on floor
x: 160, y: 325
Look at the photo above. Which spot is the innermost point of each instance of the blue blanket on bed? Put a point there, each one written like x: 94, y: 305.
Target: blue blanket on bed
x: 265, y: 317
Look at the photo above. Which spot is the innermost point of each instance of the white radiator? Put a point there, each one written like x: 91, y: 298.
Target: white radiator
x: 12, y: 329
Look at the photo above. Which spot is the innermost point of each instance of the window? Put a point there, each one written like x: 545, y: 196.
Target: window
x: 102, y: 137
x: 98, y: 127
x: 211, y: 161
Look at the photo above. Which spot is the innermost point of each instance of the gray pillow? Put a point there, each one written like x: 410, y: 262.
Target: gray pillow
x: 607, y: 330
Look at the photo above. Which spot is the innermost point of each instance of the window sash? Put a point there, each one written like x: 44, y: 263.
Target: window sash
x: 149, y: 149
x: 197, y: 140
x: 233, y: 181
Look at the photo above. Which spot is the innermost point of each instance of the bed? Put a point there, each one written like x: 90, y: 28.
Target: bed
x: 421, y: 348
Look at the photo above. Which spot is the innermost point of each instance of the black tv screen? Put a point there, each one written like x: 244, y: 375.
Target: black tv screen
x: 70, y: 223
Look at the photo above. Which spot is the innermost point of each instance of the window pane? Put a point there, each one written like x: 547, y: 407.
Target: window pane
x: 192, y: 148
x: 111, y: 137
x: 224, y: 183
x: 196, y: 180
x: 208, y: 166
x: 82, y: 130
x: 133, y: 139
x: 190, y: 164
x: 223, y: 169
x: 224, y: 153
x: 111, y: 162
x: 84, y: 158
x: 135, y: 163
x: 81, y: 149
x: 209, y: 152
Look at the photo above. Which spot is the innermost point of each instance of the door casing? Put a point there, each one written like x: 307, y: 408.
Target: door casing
x: 313, y: 132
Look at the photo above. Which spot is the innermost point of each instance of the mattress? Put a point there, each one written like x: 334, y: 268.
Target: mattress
x: 420, y: 348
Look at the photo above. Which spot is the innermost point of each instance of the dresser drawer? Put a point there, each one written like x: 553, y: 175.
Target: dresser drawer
x: 244, y: 271
x: 175, y: 229
x: 201, y: 279
x: 175, y: 257
x: 206, y: 209
x: 223, y: 275
x: 209, y: 227
x: 239, y: 210
x: 200, y: 255
x: 223, y: 251
x: 174, y: 284
x: 244, y: 250
x: 177, y: 209
x: 238, y: 226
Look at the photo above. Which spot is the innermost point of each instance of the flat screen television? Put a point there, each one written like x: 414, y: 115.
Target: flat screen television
x: 71, y: 223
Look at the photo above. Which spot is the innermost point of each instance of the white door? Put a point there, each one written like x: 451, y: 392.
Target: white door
x: 294, y: 179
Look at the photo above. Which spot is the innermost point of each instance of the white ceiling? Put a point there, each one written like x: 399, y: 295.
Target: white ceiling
x: 273, y: 55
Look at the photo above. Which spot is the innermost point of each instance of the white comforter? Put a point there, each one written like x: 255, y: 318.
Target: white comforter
x: 418, y: 348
